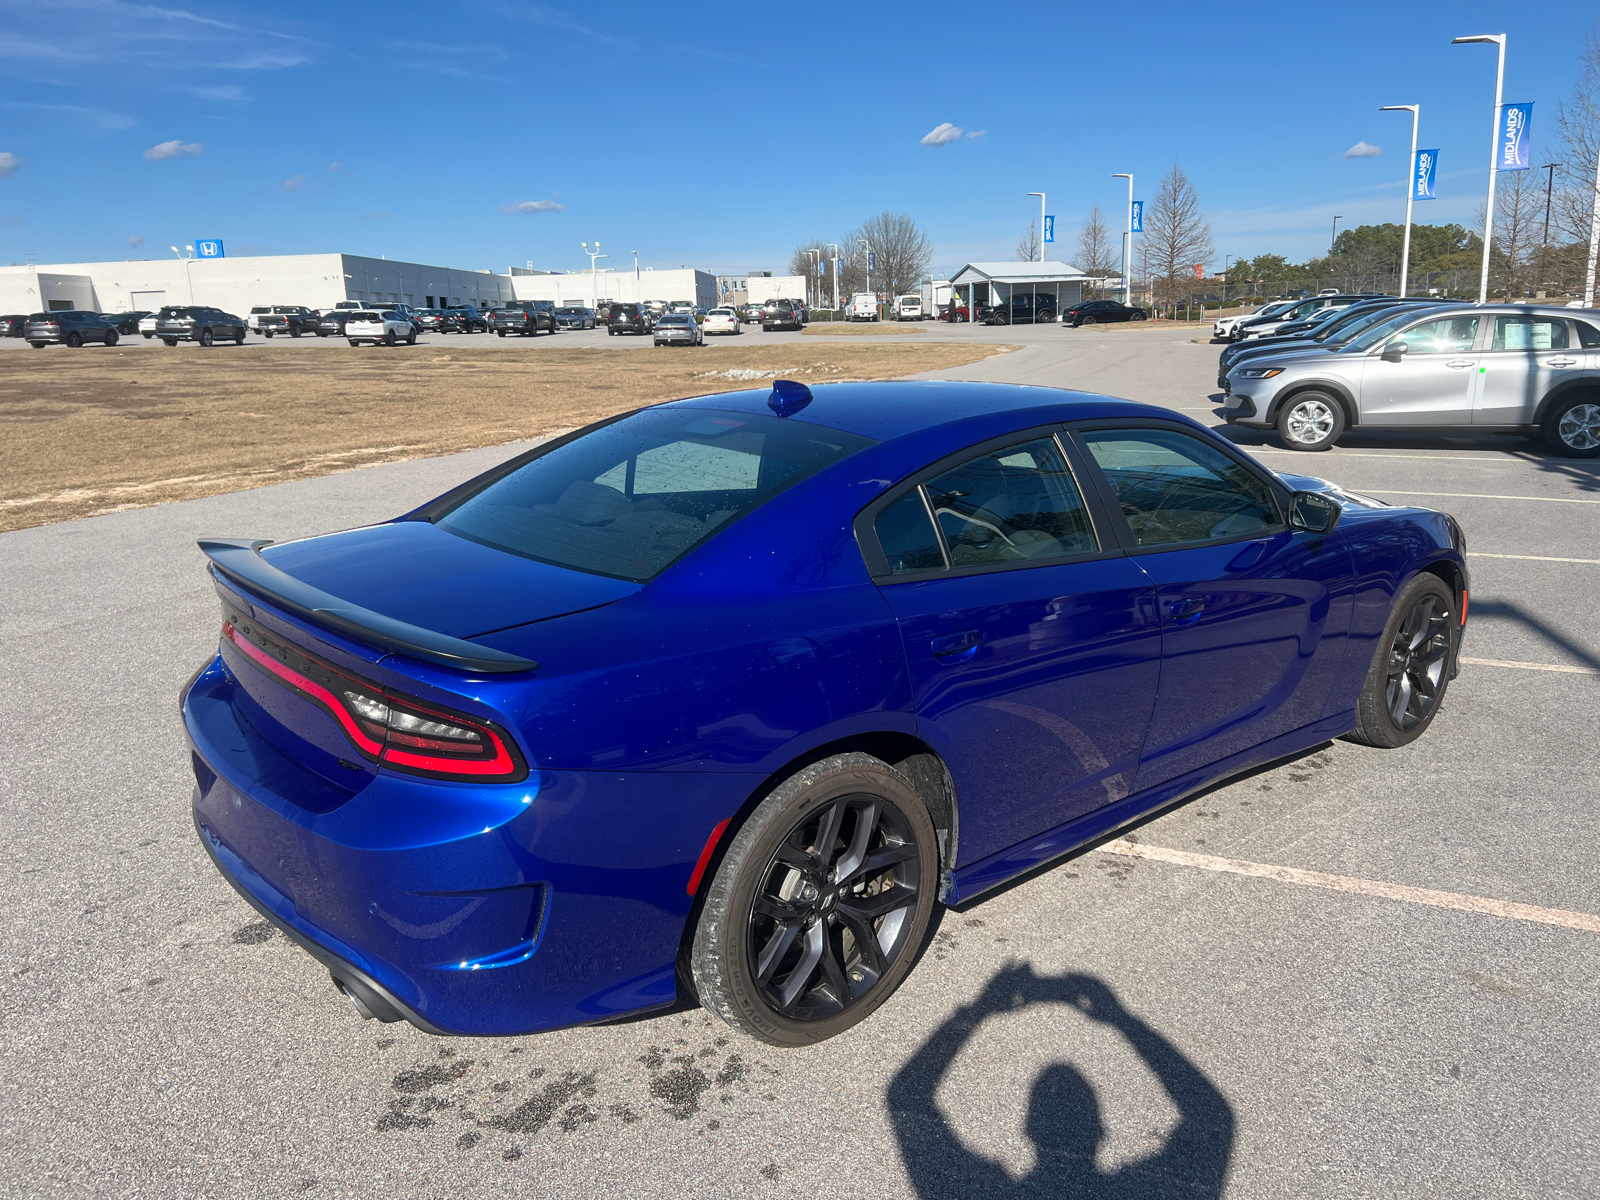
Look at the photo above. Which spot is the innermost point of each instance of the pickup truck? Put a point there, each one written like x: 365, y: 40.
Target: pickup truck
x: 525, y: 318
x: 293, y: 319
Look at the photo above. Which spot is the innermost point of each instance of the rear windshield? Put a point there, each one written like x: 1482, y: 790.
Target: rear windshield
x: 624, y: 310
x: 259, y: 309
x: 286, y: 308
x: 174, y: 312
x: 633, y: 496
x: 43, y: 316
x: 675, y: 319
x: 365, y: 316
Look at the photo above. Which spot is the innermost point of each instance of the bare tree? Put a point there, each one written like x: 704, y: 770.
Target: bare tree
x: 1094, y: 248
x: 1028, y: 243
x: 802, y: 260
x: 901, y: 252
x: 1176, y: 235
x: 1578, y: 126
x: 1518, y: 227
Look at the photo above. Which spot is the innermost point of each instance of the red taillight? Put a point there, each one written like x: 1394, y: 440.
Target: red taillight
x: 382, y: 725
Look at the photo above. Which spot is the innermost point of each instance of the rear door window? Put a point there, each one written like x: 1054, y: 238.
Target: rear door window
x: 1529, y: 333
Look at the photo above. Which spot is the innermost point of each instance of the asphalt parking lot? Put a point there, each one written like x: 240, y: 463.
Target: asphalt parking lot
x: 1358, y: 973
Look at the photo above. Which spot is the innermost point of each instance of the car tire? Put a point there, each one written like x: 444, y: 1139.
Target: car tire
x: 294, y: 331
x: 147, y: 335
x: 411, y: 338
x: 353, y: 342
x: 1411, y: 666
x: 170, y: 341
x: 611, y: 333
x: 207, y: 338
x: 267, y: 333
x: 74, y: 340
x: 1572, y: 427
x: 1137, y: 316
x: 501, y: 332
x: 1310, y: 421
x: 111, y: 337
x: 238, y: 337
x: 1088, y: 321
x: 842, y: 983
x: 388, y: 338
x: 38, y: 345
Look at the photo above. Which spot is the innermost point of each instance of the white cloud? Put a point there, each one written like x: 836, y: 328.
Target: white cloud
x: 532, y: 206
x: 334, y: 167
x: 174, y: 149
x: 1363, y: 150
x: 8, y: 164
x: 294, y: 183
x: 942, y: 134
x: 218, y: 93
x: 135, y: 241
x: 977, y: 133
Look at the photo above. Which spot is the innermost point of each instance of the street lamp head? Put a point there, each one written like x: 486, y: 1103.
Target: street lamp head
x: 1410, y: 108
x: 1498, y: 39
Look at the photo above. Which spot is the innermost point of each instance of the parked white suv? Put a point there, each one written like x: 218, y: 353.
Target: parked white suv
x: 1226, y: 327
x: 908, y: 308
x: 374, y: 327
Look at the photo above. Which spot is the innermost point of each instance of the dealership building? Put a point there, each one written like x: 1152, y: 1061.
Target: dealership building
x: 587, y: 288
x: 237, y: 284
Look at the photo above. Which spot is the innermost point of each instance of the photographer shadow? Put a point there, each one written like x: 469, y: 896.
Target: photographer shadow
x: 1064, y: 1120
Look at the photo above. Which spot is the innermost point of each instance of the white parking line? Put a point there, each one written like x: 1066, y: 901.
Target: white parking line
x: 1360, y: 887
x: 1528, y: 666
x: 1485, y: 456
x: 1593, y: 562
x: 1480, y: 496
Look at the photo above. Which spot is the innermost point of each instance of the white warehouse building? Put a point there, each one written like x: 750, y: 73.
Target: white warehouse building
x: 237, y: 284
x: 585, y: 288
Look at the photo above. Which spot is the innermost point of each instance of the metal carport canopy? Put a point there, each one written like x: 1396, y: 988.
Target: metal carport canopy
x: 1017, y: 274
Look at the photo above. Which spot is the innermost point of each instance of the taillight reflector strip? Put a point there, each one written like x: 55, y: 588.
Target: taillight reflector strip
x: 443, y: 744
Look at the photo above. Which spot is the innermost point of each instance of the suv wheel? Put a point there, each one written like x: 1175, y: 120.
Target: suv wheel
x: 1573, y: 427
x: 1310, y: 421
x: 111, y: 337
x: 74, y: 340
x: 1411, y: 668
x: 207, y: 338
x: 820, y: 904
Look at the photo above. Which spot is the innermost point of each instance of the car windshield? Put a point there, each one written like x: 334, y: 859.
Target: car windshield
x: 366, y: 316
x: 569, y: 312
x: 633, y: 496
x: 1377, y: 333
x: 1349, y: 325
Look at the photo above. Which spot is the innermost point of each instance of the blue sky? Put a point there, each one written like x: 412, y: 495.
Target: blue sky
x: 496, y: 133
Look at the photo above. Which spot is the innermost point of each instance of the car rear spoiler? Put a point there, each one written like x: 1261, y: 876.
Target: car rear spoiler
x: 240, y: 561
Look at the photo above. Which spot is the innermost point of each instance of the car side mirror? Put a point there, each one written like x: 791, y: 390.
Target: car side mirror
x: 1394, y: 351
x: 1313, y: 512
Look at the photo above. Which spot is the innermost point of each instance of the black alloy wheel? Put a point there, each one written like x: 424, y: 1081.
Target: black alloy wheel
x: 74, y: 340
x: 820, y: 904
x: 294, y: 331
x: 1136, y: 315
x: 207, y: 338
x: 111, y: 337
x: 238, y: 337
x: 388, y: 338
x: 1411, y: 669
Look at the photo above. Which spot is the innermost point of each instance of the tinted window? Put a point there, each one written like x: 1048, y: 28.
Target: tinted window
x: 1380, y: 332
x: 1530, y: 333
x: 1588, y: 335
x: 1447, y: 335
x: 906, y: 535
x: 1174, y: 488
x: 628, y: 499
x: 1011, y: 505
x: 259, y: 309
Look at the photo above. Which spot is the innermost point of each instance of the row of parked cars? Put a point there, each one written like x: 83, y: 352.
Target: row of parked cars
x: 1311, y: 369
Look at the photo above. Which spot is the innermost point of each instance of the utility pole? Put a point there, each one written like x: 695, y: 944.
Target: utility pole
x: 1594, y: 239
x: 1411, y: 187
x: 1041, y: 223
x: 594, y: 286
x: 834, y: 246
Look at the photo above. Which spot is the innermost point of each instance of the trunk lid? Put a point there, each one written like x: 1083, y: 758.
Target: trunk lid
x: 416, y: 572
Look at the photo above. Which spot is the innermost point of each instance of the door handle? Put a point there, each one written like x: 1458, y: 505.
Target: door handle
x: 1187, y: 610
x: 956, y: 647
x: 1460, y: 363
x: 1561, y: 362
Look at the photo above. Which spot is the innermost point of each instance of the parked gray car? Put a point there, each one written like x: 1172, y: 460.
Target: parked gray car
x: 679, y: 329
x: 1510, y: 368
x: 72, y: 327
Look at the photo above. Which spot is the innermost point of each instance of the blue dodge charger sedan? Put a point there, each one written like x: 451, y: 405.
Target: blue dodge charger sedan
x: 726, y: 694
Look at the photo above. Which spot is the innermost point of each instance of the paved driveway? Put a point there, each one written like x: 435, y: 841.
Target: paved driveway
x: 1359, y: 973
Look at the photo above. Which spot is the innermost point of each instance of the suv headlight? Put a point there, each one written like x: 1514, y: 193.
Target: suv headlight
x: 1259, y: 372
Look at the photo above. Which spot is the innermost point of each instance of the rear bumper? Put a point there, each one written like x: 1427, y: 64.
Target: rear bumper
x: 464, y: 909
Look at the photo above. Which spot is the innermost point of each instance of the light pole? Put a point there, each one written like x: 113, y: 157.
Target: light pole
x: 834, y: 246
x: 594, y: 257
x: 635, y: 266
x: 1594, y: 239
x: 816, y: 257
x: 188, y: 268
x: 1041, y: 223
x: 868, y: 260
x: 1127, y: 245
x: 1549, y: 185
x: 1499, y: 39
x: 1411, y: 187
x: 1333, y: 237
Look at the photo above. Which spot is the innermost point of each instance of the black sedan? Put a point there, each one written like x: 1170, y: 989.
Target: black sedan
x: 1101, y: 312
x: 333, y: 322
x: 1023, y: 310
x: 438, y: 320
x: 126, y: 323
x: 469, y: 320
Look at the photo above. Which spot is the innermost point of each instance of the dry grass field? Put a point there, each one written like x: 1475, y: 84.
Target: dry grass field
x: 859, y: 329
x: 103, y: 430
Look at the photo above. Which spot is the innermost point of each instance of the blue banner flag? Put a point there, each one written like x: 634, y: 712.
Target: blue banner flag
x: 1137, y: 224
x: 1049, y: 229
x: 822, y: 267
x: 208, y: 247
x: 1514, y: 122
x: 1423, y: 173
x: 872, y: 261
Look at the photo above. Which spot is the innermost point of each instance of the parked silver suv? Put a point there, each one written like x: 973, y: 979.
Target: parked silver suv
x: 1495, y: 368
